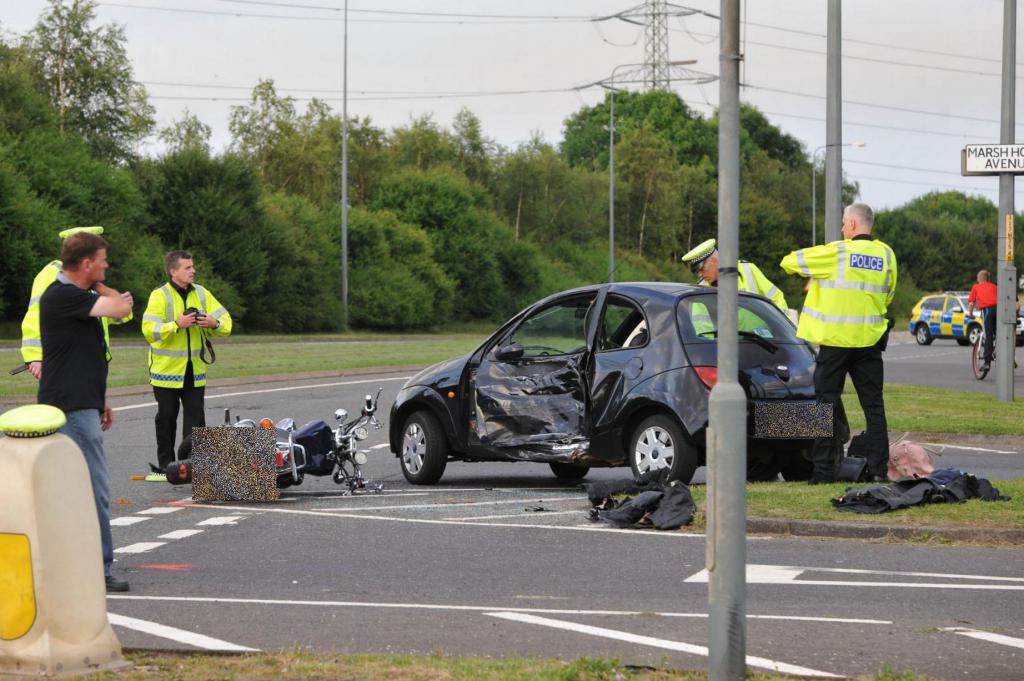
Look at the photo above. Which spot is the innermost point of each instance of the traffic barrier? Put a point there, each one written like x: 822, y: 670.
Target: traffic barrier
x: 53, y: 614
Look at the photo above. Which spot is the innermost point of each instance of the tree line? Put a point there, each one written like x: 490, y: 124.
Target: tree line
x: 445, y: 224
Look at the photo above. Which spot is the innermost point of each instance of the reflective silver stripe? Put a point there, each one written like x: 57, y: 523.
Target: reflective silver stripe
x: 169, y: 317
x: 772, y: 292
x: 841, y: 318
x: 854, y: 286
x: 220, y: 312
x: 34, y: 301
x: 801, y: 262
x: 169, y: 353
x: 841, y: 261
x: 202, y: 296
x: 888, y: 270
x: 152, y: 318
x: 748, y: 278
x: 31, y: 343
x: 156, y: 333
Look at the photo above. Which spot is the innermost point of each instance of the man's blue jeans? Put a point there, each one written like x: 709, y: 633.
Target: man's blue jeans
x: 83, y: 427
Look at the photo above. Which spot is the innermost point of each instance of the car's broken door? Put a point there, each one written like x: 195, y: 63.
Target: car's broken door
x: 529, y: 391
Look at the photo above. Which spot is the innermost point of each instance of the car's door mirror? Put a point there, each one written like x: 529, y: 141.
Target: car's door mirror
x: 509, y: 352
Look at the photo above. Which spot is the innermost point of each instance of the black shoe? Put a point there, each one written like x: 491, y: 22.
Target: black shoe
x: 985, y: 366
x: 153, y: 468
x: 115, y: 585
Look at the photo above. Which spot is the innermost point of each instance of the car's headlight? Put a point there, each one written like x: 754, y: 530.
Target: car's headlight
x: 360, y: 433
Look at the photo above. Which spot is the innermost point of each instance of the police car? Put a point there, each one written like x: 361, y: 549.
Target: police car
x: 944, y: 315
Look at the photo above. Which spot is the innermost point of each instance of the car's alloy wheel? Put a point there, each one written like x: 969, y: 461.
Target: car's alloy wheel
x: 424, y: 452
x: 658, y: 443
x: 973, y: 332
x: 923, y: 335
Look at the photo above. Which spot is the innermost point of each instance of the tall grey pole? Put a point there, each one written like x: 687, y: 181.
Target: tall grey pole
x: 611, y: 184
x: 814, y: 196
x: 1006, y: 273
x: 344, y: 175
x: 727, y: 407
x: 834, y: 123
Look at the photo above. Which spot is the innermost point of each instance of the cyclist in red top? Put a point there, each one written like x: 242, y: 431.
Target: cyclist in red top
x: 984, y: 294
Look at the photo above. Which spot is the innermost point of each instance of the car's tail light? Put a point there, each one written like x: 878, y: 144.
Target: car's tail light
x: 709, y: 375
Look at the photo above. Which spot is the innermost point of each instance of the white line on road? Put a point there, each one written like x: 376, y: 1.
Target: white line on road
x: 518, y: 526
x: 972, y: 449
x: 753, y: 661
x: 521, y: 514
x: 140, y: 547
x: 160, y: 510
x: 458, y: 504
x: 479, y: 608
x: 180, y: 534
x: 987, y: 636
x: 928, y: 354
x: 180, y: 635
x: 381, y: 446
x: 273, y: 390
x: 221, y: 520
x: 124, y: 521
x: 783, y: 574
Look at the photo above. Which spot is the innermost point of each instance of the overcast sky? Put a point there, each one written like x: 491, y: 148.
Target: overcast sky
x: 933, y: 64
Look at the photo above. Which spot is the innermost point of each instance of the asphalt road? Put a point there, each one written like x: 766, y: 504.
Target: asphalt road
x: 943, y: 364
x: 471, y: 566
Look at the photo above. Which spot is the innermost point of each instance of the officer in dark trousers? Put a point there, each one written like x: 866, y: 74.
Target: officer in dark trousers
x: 852, y: 282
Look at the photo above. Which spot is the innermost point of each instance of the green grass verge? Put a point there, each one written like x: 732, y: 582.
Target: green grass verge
x: 294, y: 665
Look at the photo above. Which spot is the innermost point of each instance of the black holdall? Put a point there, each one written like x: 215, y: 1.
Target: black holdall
x: 851, y: 469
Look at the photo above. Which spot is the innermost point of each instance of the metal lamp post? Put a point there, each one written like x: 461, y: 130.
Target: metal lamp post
x: 814, y: 192
x: 689, y: 75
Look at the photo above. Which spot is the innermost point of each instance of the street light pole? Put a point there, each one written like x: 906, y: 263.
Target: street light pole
x: 814, y: 189
x: 609, y: 84
x: 344, y: 175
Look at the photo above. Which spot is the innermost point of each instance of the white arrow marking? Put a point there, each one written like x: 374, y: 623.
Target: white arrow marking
x: 180, y: 635
x: 753, y: 661
x: 781, y: 574
x: 987, y: 636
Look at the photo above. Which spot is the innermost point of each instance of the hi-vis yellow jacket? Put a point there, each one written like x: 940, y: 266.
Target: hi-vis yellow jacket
x: 853, y: 282
x: 31, y: 336
x: 752, y: 280
x: 170, y: 347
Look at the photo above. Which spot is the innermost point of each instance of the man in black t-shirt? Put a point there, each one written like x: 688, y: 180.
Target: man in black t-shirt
x: 74, y: 377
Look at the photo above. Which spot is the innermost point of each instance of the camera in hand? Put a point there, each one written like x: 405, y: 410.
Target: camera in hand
x: 196, y: 312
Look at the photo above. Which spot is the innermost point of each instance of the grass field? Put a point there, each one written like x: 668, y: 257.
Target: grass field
x: 438, y: 667
x: 908, y: 408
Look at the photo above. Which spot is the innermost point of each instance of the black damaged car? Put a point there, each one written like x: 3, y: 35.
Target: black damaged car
x: 610, y: 375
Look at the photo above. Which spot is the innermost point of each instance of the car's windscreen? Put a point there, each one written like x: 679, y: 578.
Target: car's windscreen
x: 698, y: 320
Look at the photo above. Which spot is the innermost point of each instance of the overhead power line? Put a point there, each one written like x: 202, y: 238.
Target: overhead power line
x: 463, y: 15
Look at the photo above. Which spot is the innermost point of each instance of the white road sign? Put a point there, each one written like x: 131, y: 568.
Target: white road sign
x: 992, y: 159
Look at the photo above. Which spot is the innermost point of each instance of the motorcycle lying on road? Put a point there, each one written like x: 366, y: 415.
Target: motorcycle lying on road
x: 314, y: 449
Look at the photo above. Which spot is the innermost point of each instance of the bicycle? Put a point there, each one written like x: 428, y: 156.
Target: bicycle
x: 978, y: 357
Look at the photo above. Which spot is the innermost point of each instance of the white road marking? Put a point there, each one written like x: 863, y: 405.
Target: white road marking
x: 972, y: 449
x: 180, y: 635
x: 143, y: 405
x: 782, y: 574
x: 458, y: 504
x: 479, y: 608
x: 140, y: 547
x: 349, y: 496
x: 221, y: 520
x: 753, y: 661
x: 987, y: 636
x: 160, y: 510
x: 518, y: 526
x: 521, y: 514
x: 929, y: 355
x: 180, y: 534
x: 124, y: 521
x: 381, y: 446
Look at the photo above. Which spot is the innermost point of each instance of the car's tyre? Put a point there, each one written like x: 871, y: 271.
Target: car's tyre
x: 424, y: 449
x: 973, y: 333
x: 922, y: 335
x: 658, y: 442
x: 568, y: 471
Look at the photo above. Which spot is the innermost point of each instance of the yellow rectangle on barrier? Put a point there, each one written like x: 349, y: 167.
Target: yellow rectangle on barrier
x: 17, y: 592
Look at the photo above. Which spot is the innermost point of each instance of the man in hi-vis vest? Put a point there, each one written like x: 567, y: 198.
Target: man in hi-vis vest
x: 179, y: 317
x: 851, y: 285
